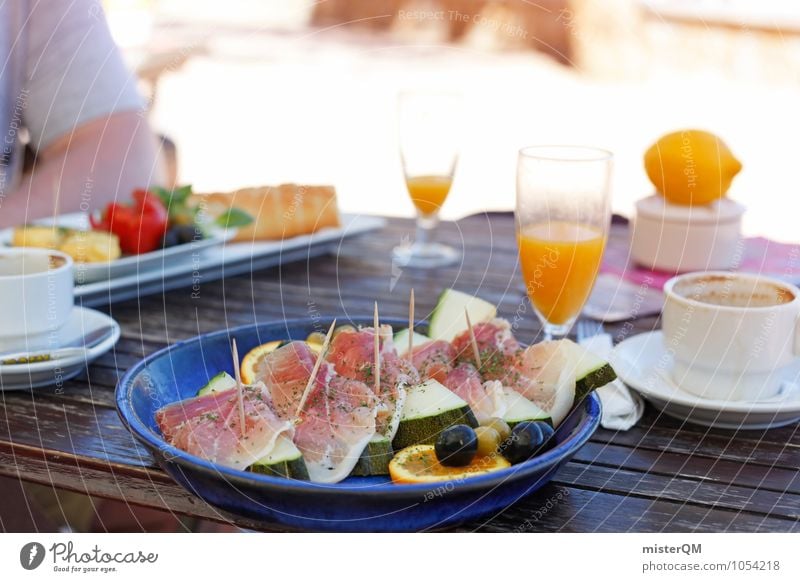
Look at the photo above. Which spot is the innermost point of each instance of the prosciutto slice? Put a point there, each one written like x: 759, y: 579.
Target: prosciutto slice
x: 338, y: 418
x: 545, y: 373
x: 286, y: 371
x: 498, y: 348
x: 434, y: 360
x: 336, y: 424
x: 486, y: 399
x: 352, y: 353
x: 209, y: 426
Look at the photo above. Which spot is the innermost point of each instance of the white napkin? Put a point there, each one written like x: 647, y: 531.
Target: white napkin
x: 621, y: 408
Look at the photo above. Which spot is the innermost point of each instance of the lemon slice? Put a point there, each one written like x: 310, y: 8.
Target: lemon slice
x: 418, y: 464
x: 249, y: 367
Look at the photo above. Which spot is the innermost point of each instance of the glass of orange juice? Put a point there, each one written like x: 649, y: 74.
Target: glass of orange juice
x: 429, y: 134
x: 563, y: 216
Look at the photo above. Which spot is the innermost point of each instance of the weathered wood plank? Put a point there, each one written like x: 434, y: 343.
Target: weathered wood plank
x: 558, y: 508
x: 733, y: 497
x: 708, y: 469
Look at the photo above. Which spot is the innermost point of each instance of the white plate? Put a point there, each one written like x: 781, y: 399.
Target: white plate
x: 644, y: 364
x: 228, y: 260
x: 81, y: 322
x: 131, y: 264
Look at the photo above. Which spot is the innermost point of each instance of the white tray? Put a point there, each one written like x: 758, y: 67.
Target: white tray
x: 86, y: 273
x: 224, y: 260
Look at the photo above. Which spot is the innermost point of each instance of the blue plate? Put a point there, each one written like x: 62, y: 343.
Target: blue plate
x: 354, y: 505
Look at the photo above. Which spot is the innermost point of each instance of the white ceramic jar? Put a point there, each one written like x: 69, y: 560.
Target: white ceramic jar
x: 678, y: 239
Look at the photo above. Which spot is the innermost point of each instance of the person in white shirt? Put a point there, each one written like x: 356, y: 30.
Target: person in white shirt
x: 67, y: 97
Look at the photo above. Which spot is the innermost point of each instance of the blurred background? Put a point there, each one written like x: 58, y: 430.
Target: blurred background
x: 259, y: 92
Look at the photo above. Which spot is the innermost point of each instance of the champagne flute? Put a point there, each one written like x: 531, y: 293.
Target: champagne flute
x: 563, y: 216
x: 429, y: 130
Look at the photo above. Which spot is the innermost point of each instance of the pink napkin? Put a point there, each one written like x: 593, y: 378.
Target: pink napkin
x: 758, y: 255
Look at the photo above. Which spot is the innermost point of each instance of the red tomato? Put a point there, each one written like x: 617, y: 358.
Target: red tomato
x: 139, y: 226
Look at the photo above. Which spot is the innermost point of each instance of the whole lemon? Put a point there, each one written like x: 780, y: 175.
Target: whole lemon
x: 691, y: 167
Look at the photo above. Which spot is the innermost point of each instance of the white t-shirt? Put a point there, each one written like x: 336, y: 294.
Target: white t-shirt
x: 59, y: 68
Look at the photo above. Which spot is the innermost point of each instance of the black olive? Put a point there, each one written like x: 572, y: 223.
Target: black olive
x: 456, y: 446
x: 170, y: 238
x: 527, y: 440
x: 547, y: 434
x: 187, y: 233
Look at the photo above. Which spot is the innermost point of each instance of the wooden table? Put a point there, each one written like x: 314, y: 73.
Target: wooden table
x: 661, y: 475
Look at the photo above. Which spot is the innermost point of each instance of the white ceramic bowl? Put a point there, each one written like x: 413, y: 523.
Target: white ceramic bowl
x: 36, y: 297
x: 679, y: 239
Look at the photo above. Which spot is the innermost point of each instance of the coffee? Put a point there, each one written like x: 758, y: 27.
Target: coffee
x: 16, y: 265
x: 734, y: 291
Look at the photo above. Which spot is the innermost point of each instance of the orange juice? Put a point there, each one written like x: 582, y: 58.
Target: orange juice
x: 560, y: 261
x: 428, y: 192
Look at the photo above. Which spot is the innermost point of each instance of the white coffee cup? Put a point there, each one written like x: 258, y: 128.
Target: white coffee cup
x: 36, y: 297
x: 730, y: 334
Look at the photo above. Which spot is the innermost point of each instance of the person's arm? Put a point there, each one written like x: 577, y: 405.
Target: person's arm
x: 101, y: 158
x: 85, y: 118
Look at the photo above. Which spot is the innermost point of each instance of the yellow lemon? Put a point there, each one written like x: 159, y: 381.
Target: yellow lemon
x: 691, y: 167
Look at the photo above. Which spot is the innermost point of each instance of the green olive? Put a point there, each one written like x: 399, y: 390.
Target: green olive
x: 488, y: 440
x: 315, y: 338
x: 500, y: 425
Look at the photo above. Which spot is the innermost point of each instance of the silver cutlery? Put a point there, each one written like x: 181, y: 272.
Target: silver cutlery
x: 588, y: 328
x: 77, y: 347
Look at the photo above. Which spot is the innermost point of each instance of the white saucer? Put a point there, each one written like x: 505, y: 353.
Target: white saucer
x: 81, y: 321
x: 643, y: 363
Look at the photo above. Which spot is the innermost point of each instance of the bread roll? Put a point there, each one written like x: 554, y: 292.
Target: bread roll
x: 278, y: 212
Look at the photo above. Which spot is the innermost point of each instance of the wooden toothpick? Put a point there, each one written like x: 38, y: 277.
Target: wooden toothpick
x: 473, y: 340
x: 377, y: 368
x: 411, y: 324
x: 314, y: 371
x: 239, y: 389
